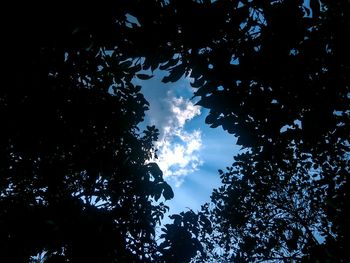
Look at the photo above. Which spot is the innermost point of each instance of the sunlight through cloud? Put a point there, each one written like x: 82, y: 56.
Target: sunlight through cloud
x: 178, y: 149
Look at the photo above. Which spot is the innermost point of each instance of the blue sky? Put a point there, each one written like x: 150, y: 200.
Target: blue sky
x: 190, y: 152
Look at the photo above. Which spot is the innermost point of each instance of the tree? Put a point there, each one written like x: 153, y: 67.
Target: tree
x: 280, y: 84
x: 276, y: 75
x: 283, y: 211
x: 273, y: 73
x: 76, y: 184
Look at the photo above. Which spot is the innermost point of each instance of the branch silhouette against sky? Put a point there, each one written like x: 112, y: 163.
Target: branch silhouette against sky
x: 117, y: 114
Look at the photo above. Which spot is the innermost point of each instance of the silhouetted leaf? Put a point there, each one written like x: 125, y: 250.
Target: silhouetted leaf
x: 172, y: 62
x: 144, y: 76
x: 168, y: 192
x: 175, y: 73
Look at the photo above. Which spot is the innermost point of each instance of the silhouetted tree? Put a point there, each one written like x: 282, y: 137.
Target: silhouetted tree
x: 276, y: 75
x: 279, y: 80
x: 289, y: 210
x: 182, y: 237
x: 75, y: 181
x: 76, y: 184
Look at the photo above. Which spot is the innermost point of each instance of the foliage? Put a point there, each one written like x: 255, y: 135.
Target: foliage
x: 276, y: 75
x: 273, y: 73
x: 280, y: 83
x: 76, y: 184
x: 286, y: 209
x: 181, y: 239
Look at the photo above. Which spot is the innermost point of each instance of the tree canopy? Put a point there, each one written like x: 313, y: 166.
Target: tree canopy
x: 76, y: 183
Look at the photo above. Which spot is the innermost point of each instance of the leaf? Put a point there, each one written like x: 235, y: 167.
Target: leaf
x: 244, y: 139
x: 144, y: 76
x: 206, y: 89
x: 211, y: 118
x: 199, y: 82
x: 167, y: 192
x: 175, y: 73
x: 150, y: 62
x: 135, y: 68
x: 307, y: 10
x: 125, y: 64
x: 315, y: 7
x: 156, y: 172
x: 177, y: 219
x: 172, y: 62
x: 157, y: 194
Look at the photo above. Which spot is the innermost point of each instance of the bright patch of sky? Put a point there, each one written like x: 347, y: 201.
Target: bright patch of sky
x: 178, y: 148
x: 189, y: 151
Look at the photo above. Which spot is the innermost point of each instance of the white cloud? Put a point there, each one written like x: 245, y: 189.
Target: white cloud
x: 178, y: 149
x: 183, y: 110
x: 170, y: 110
x: 179, y: 155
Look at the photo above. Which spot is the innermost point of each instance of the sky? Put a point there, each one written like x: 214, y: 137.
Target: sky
x: 189, y: 151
